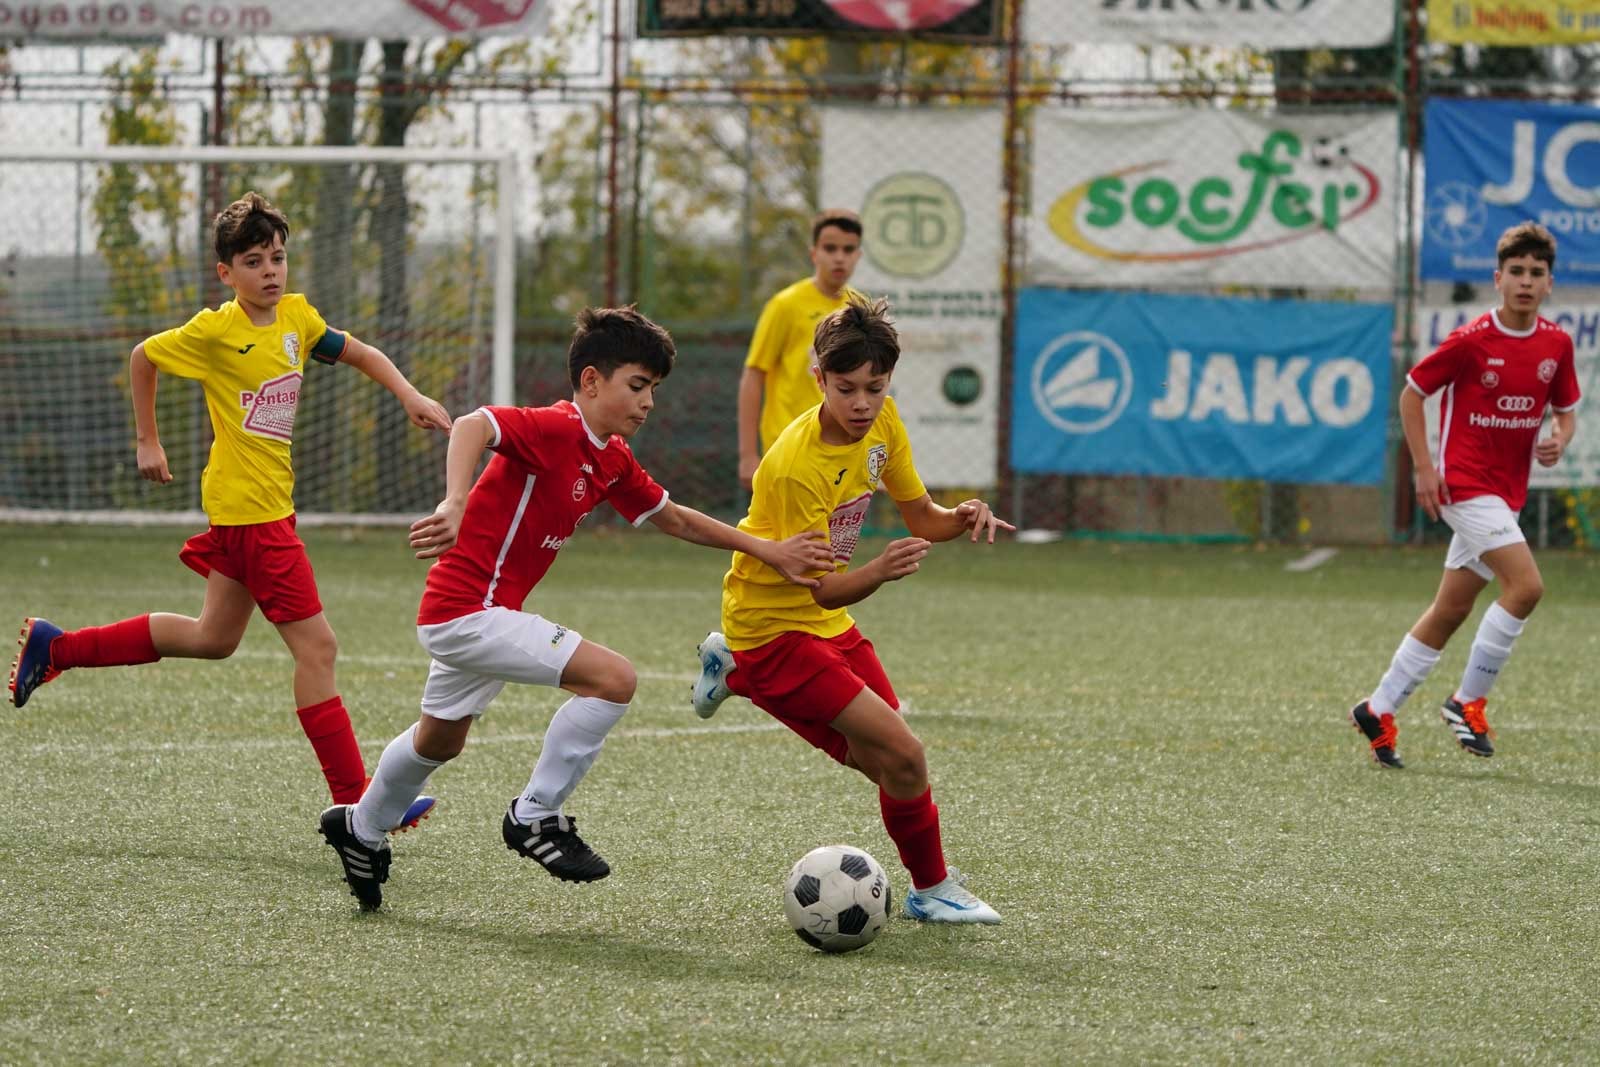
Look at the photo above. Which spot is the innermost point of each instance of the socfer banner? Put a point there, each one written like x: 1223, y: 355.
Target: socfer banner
x: 1206, y: 197
x: 242, y: 18
x: 973, y: 20
x: 1491, y: 164
x: 1580, y: 466
x: 927, y: 186
x: 1202, y: 387
x: 1245, y: 23
x: 1514, y: 22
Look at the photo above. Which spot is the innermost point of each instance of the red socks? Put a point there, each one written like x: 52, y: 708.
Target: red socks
x: 327, y: 727
x: 120, y: 644
x: 913, y: 825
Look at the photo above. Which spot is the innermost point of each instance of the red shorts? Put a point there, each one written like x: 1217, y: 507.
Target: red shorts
x: 267, y: 558
x: 805, y: 681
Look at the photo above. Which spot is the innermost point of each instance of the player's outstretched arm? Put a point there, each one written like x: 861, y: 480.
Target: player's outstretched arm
x: 148, y: 453
x: 434, y: 535
x: 796, y: 558
x: 423, y: 411
x: 898, y: 559
x: 928, y: 520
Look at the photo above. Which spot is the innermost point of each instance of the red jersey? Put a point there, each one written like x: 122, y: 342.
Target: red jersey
x: 1497, y: 383
x: 548, y: 472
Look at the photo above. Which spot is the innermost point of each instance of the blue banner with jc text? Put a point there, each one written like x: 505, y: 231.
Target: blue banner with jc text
x: 1201, y: 387
x: 1491, y: 164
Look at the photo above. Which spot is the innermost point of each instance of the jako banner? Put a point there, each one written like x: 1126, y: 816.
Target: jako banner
x: 927, y: 184
x: 1202, y: 387
x: 217, y: 18
x: 1240, y: 23
x: 1580, y: 465
x: 1516, y: 23
x: 1494, y: 163
x: 1205, y: 197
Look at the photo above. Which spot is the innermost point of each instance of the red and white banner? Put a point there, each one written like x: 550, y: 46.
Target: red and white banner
x: 77, y: 19
x: 1237, y: 23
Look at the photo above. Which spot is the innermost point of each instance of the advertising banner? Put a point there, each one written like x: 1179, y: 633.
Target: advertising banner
x: 968, y: 20
x: 1517, y: 23
x: 1237, y: 23
x: 1203, y: 197
x: 216, y: 18
x: 1491, y: 164
x: 927, y: 186
x: 1580, y: 466
x: 1201, y: 387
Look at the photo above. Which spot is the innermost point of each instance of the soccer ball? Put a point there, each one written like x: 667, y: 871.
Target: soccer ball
x: 837, y: 898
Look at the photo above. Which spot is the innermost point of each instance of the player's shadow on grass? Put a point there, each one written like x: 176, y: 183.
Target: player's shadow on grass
x: 1492, y: 775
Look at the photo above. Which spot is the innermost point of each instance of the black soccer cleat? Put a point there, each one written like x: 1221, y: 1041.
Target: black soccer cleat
x: 555, y: 845
x: 1468, y: 723
x: 1381, y: 731
x: 365, y: 868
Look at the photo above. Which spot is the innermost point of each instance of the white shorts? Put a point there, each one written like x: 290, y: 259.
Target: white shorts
x: 476, y: 655
x: 1481, y: 524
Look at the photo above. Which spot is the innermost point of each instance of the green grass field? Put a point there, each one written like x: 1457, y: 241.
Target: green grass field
x: 1141, y: 756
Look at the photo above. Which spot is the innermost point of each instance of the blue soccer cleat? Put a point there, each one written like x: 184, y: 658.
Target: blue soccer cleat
x: 716, y: 663
x: 32, y: 668
x: 949, y: 902
x: 420, y: 809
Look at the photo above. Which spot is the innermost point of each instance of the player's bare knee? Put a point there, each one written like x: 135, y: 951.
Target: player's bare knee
x: 904, y: 767
x: 1522, y: 598
x: 216, y: 646
x: 619, y: 682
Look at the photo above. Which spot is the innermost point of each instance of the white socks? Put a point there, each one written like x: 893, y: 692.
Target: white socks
x: 397, y: 781
x: 571, y: 744
x: 1411, y: 664
x: 1490, y: 649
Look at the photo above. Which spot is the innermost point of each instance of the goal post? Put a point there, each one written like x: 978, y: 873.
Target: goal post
x: 412, y: 250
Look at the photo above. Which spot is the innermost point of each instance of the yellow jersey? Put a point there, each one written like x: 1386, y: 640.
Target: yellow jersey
x: 781, y: 348
x: 251, y: 376
x: 803, y: 484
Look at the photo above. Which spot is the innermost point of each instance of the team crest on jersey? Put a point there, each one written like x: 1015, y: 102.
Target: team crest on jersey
x: 1547, y: 370
x: 1490, y: 379
x: 269, y: 411
x: 877, y: 459
x: 580, y: 487
x: 291, y: 348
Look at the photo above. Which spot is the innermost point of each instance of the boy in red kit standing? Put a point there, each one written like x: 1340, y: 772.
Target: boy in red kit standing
x: 248, y: 356
x: 796, y: 653
x: 1499, y: 373
x: 495, y: 540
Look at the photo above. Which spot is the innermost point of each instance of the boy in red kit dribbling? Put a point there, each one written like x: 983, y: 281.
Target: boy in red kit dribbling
x: 494, y: 540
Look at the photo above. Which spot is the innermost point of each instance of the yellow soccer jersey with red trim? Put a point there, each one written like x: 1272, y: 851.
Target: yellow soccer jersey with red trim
x: 803, y: 484
x: 251, y: 376
x: 781, y: 348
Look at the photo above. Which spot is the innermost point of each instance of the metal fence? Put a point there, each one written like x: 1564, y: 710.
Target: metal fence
x: 679, y: 174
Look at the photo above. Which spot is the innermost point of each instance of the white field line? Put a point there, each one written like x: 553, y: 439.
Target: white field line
x: 420, y: 662
x: 256, y: 744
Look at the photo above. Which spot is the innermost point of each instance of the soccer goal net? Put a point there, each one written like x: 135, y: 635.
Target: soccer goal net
x: 411, y: 252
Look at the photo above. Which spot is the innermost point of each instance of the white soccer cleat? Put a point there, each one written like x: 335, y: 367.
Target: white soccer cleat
x: 949, y: 902
x: 716, y: 663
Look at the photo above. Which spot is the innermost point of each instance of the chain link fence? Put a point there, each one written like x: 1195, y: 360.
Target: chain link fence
x: 1075, y: 157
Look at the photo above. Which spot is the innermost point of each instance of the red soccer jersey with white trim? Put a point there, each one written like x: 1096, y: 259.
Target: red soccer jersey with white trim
x: 1497, y: 384
x: 548, y: 472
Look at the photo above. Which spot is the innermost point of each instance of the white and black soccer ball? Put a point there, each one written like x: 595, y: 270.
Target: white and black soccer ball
x: 837, y: 898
